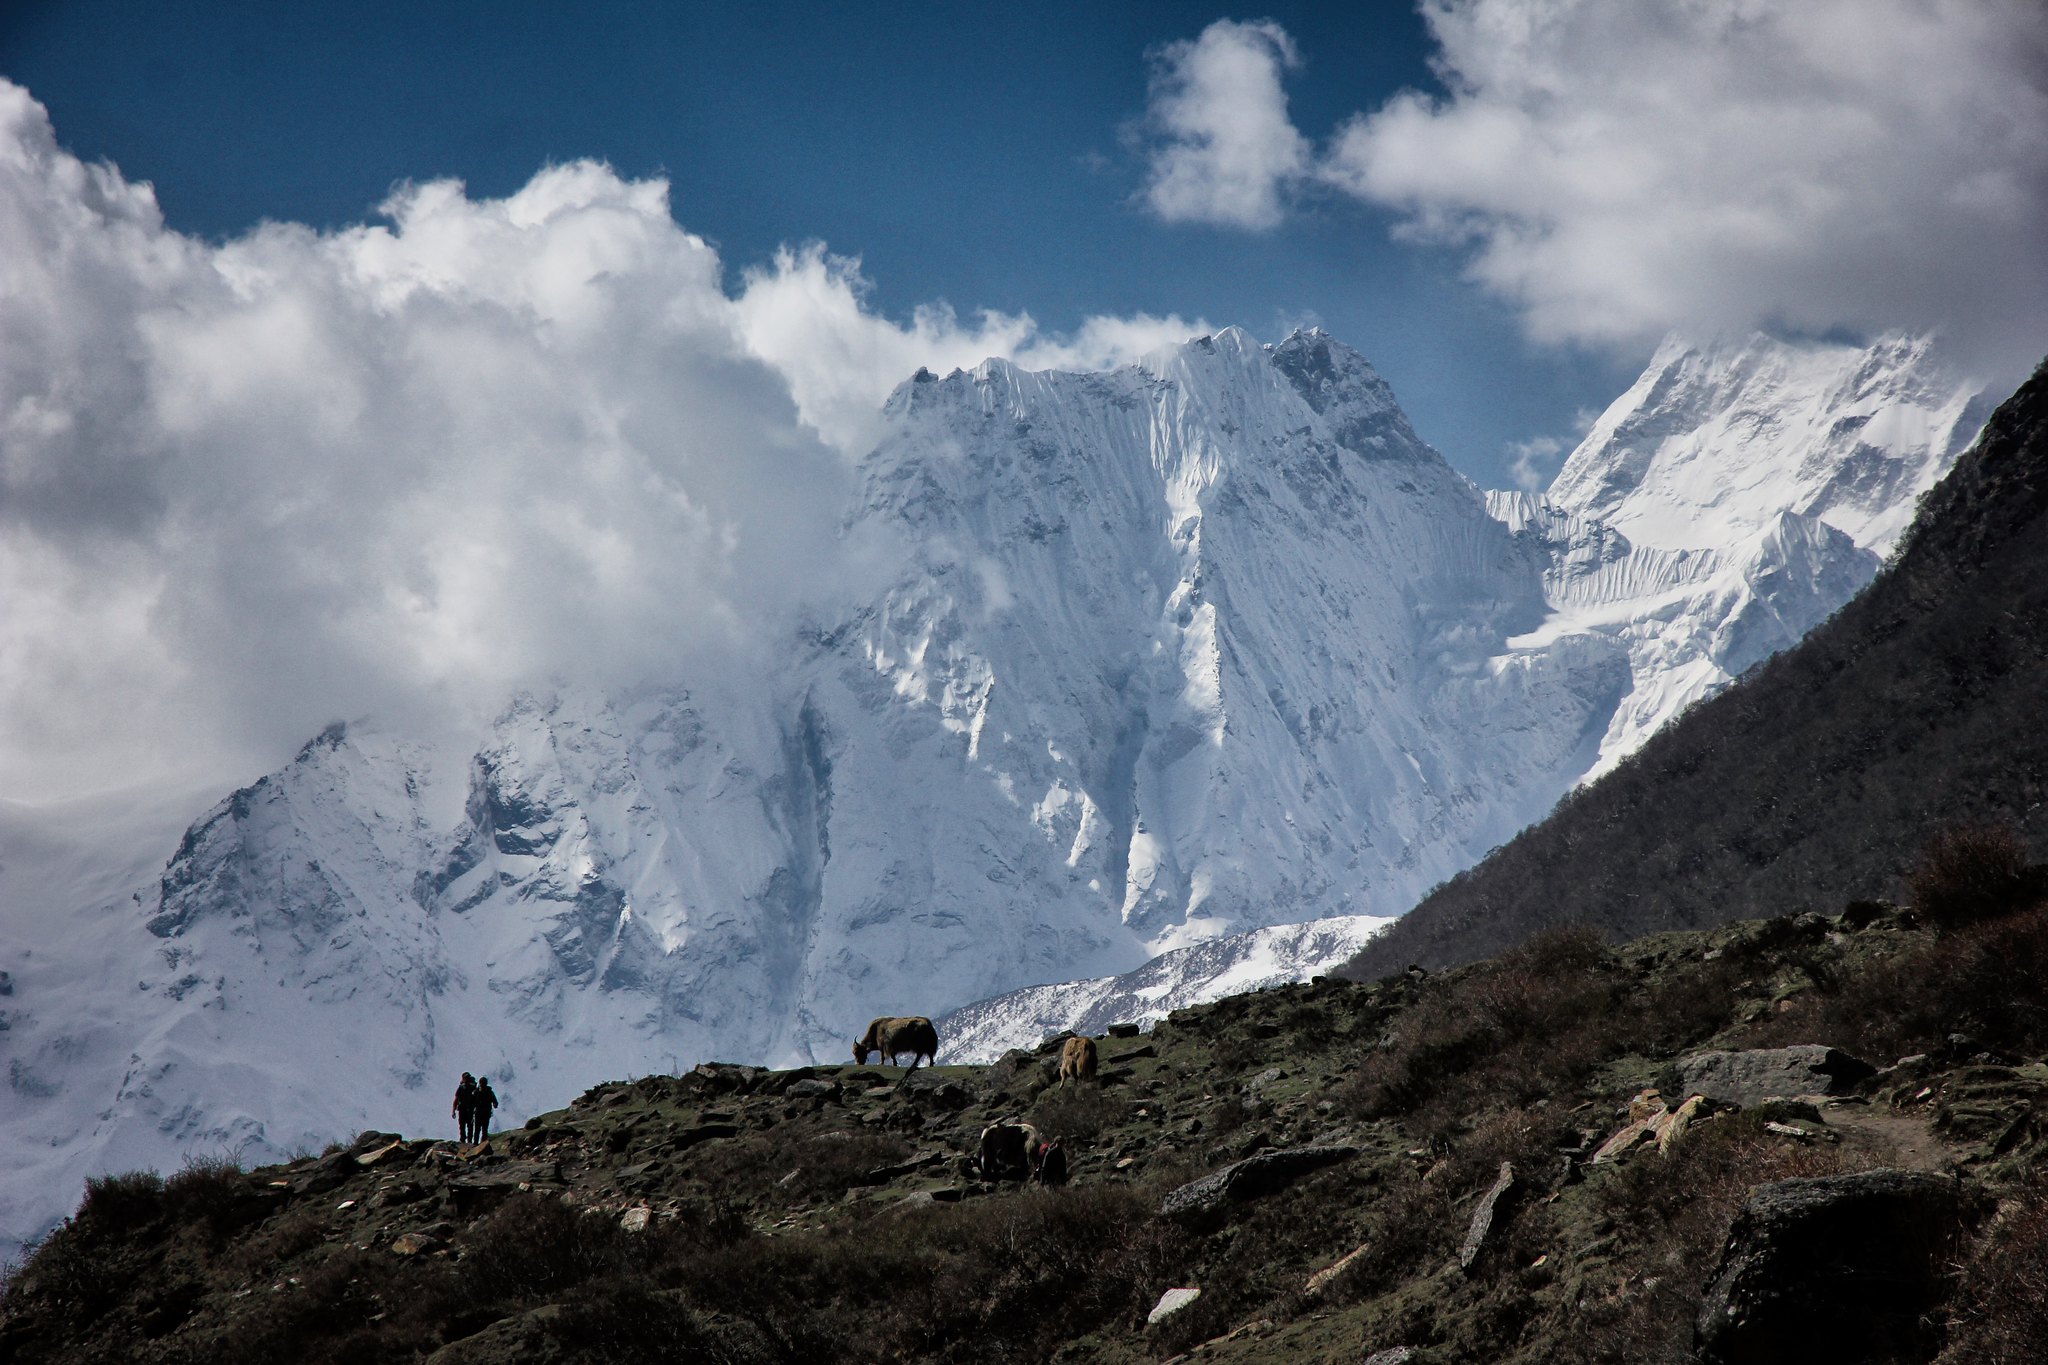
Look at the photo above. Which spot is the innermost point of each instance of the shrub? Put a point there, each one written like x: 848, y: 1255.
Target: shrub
x: 212, y: 1191
x: 1078, y: 1114
x: 121, y: 1203
x: 536, y: 1244
x: 2000, y: 1311
x: 1969, y: 873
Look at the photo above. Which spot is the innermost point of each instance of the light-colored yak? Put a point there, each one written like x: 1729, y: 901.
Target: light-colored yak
x: 1077, y: 1061
x: 891, y: 1037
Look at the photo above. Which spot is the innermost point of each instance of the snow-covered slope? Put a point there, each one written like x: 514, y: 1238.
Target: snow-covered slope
x: 1176, y: 654
x: 1232, y: 965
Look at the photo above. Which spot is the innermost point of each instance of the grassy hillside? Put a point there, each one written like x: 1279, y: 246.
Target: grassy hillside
x: 1919, y: 706
x: 834, y: 1213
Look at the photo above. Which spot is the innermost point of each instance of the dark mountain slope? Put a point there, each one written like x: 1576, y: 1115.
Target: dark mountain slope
x: 1922, y: 704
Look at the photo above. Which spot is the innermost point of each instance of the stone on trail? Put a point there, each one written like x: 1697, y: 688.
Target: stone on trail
x: 1747, y: 1079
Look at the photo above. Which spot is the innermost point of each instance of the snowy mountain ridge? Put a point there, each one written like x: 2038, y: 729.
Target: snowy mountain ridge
x: 1180, y: 657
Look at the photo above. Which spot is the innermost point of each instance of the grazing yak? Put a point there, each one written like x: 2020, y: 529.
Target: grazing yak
x: 1077, y: 1061
x: 891, y: 1037
x: 1009, y: 1150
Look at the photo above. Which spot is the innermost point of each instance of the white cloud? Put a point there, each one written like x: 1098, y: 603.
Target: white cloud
x: 249, y: 488
x: 1531, y: 463
x: 807, y: 315
x: 1226, y: 147
x: 1621, y: 168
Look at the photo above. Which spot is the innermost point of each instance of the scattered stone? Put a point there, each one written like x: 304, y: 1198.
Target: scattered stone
x: 1123, y: 1030
x: 1321, y: 1279
x: 813, y: 1090
x: 1133, y: 1055
x: 412, y: 1244
x: 636, y: 1219
x: 1171, y: 1302
x: 1393, y: 1355
x: 1841, y: 1267
x: 1251, y: 1177
x: 1682, y: 1119
x: 1747, y: 1079
x: 1265, y: 1078
x: 371, y: 1158
x: 703, y: 1132
x: 1483, y: 1216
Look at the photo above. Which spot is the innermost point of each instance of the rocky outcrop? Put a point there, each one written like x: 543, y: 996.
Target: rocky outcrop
x: 1251, y: 1177
x: 1747, y: 1079
x: 1843, y: 1267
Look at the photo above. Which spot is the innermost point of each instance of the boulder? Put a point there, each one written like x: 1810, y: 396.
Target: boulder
x: 1747, y: 1079
x: 1483, y: 1216
x: 1251, y: 1177
x: 1171, y: 1302
x: 1840, y: 1267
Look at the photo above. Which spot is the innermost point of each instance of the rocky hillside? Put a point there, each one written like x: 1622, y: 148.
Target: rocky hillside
x: 1808, y: 1137
x: 1917, y: 705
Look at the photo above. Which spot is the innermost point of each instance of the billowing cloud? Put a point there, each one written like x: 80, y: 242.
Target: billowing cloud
x: 1622, y: 168
x: 1617, y: 168
x: 807, y: 314
x: 401, y: 468
x: 1223, y: 146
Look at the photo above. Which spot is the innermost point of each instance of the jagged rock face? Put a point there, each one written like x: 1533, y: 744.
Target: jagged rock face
x: 1177, y: 654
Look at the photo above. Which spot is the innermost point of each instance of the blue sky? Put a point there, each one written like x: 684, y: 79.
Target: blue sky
x: 971, y: 154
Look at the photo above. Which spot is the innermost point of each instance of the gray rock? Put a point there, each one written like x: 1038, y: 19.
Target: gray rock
x: 1841, y: 1267
x: 1483, y: 1216
x: 813, y: 1090
x: 1747, y: 1079
x: 1393, y: 1355
x: 1254, y: 1176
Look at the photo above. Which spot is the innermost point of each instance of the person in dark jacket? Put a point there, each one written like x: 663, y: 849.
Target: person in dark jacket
x: 486, y: 1101
x: 464, y: 1108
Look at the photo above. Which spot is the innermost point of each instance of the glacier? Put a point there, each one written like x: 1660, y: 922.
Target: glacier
x: 1190, y: 675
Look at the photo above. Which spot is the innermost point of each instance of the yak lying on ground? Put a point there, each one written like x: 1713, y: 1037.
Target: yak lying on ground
x: 891, y: 1037
x: 1077, y: 1061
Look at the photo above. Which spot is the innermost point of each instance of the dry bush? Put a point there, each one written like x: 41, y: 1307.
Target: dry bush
x: 116, y: 1204
x: 1078, y: 1114
x: 627, y: 1322
x: 1513, y: 1031
x: 537, y: 1244
x: 1987, y: 980
x: 1999, y: 1315
x: 996, y: 1279
x: 1969, y: 873
x: 825, y: 1163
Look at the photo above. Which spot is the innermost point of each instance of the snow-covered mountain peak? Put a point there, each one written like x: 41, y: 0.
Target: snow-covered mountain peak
x: 1716, y: 438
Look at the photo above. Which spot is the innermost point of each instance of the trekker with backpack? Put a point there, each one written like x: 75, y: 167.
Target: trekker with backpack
x: 486, y: 1101
x: 464, y: 1108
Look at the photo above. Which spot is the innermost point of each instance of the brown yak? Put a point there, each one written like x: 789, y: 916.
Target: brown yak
x: 1077, y: 1061
x: 891, y: 1037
